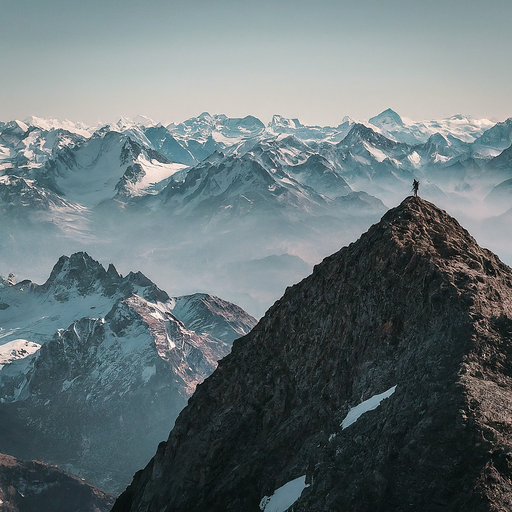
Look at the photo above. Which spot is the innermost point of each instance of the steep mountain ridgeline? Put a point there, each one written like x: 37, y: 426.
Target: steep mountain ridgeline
x: 380, y: 382
x: 116, y: 352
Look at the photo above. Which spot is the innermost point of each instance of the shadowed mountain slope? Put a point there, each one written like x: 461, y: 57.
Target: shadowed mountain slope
x: 36, y: 487
x: 414, y: 316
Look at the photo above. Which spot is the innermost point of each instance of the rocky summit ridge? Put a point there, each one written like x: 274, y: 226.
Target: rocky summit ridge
x: 383, y: 381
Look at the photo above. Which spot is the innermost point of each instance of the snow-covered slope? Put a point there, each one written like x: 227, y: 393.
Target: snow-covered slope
x: 51, y: 123
x: 220, y: 127
x: 205, y: 313
x: 25, y: 146
x: 107, y: 165
x: 465, y: 128
x: 280, y: 124
x: 28, y: 209
x: 493, y: 141
x: 238, y: 186
x: 388, y: 120
x: 369, y: 161
x: 109, y: 350
x: 167, y: 145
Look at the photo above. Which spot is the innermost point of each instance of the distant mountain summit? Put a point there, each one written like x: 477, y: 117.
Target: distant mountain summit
x: 499, y: 136
x: 281, y: 124
x: 387, y: 118
x: 380, y: 382
x: 91, y: 361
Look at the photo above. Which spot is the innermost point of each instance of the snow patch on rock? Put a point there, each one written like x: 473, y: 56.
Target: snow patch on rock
x: 284, y: 497
x: 368, y: 405
x: 17, y: 349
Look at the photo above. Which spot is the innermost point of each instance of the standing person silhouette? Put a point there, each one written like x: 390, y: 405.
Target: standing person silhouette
x: 415, y: 187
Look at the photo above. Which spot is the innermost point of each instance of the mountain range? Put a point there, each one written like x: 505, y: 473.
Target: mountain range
x: 193, y: 203
x: 95, y: 367
x: 240, y: 209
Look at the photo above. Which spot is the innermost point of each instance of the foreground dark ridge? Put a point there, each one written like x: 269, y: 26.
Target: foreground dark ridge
x: 416, y: 304
x: 36, y: 487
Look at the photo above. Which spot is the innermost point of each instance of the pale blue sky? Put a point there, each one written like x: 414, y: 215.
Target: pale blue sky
x: 318, y: 61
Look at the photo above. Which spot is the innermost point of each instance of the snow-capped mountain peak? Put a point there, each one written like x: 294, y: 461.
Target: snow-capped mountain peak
x: 279, y: 123
x: 50, y: 123
x: 81, y: 275
x: 362, y: 133
x: 116, y: 352
x: 387, y: 119
x: 17, y: 126
x: 124, y: 123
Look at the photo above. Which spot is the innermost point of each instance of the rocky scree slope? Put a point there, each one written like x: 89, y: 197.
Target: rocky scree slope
x: 36, y: 487
x: 115, y: 352
x: 414, y: 309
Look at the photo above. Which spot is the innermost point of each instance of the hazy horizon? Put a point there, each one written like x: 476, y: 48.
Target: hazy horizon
x: 265, y: 121
x: 171, y: 60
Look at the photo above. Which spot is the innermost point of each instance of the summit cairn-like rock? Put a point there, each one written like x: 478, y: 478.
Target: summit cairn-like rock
x: 384, y: 378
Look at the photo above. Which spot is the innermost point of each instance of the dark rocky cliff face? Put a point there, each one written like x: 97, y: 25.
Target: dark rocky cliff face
x: 416, y: 304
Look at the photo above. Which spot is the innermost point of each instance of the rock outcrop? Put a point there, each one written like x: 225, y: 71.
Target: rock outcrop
x: 95, y: 367
x: 36, y: 487
x: 383, y: 381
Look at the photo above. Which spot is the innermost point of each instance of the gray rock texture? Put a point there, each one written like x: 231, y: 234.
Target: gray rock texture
x: 414, y: 303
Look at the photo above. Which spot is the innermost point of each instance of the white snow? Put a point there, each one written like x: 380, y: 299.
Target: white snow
x: 465, y: 128
x: 378, y: 154
x: 219, y: 137
x: 144, y: 120
x: 17, y: 349
x: 36, y: 317
x: 21, y: 125
x: 284, y: 497
x: 155, y: 172
x: 52, y: 123
x: 440, y: 158
x: 486, y: 152
x: 414, y: 158
x: 360, y: 159
x: 368, y: 405
x: 99, y: 166
x: 72, y: 218
x: 292, y: 156
x: 247, y: 199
